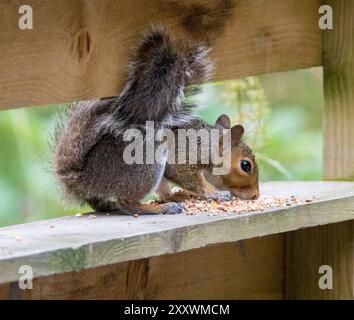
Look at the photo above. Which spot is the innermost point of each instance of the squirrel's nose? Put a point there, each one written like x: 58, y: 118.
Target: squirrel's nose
x: 246, y: 194
x: 255, y: 195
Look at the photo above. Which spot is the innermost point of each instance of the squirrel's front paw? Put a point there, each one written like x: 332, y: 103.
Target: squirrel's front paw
x: 172, y: 208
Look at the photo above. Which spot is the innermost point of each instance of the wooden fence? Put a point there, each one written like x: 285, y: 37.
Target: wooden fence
x: 79, y: 50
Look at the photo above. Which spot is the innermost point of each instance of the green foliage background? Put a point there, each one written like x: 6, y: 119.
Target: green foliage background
x: 282, y: 114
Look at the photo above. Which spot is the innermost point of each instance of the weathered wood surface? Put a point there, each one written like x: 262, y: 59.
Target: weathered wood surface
x: 309, y: 249
x: 331, y: 245
x: 76, y: 243
x: 250, y: 269
x: 79, y: 49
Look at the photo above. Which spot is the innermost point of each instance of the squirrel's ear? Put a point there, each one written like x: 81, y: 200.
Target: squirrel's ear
x: 223, y: 121
x: 236, y: 134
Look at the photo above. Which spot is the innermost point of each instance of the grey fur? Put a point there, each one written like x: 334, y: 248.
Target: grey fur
x: 88, y: 152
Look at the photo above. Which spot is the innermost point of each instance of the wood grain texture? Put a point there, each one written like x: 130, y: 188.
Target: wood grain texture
x: 250, y: 269
x: 311, y: 248
x: 79, y: 49
x: 308, y: 249
x: 77, y: 243
x: 338, y: 59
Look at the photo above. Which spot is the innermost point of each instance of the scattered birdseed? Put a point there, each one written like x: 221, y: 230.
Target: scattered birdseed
x: 228, y: 205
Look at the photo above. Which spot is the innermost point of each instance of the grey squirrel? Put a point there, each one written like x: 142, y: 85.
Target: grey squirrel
x: 88, y: 150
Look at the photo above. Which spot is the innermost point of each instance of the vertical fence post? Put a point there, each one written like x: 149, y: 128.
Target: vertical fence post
x: 330, y: 245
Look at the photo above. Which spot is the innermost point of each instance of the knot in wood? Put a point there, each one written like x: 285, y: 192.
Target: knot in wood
x: 81, y: 45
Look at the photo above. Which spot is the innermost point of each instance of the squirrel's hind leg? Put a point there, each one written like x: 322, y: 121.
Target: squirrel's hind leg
x: 141, y: 209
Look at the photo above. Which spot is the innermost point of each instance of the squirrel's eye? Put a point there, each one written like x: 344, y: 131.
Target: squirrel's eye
x: 246, y: 166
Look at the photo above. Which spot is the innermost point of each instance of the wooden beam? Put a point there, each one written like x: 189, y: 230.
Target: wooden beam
x: 331, y: 245
x: 76, y: 243
x: 251, y: 269
x: 79, y: 49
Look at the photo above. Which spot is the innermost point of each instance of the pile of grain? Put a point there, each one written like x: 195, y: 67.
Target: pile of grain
x: 232, y: 205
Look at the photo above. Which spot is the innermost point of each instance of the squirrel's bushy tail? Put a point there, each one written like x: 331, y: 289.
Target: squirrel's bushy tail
x: 161, y: 68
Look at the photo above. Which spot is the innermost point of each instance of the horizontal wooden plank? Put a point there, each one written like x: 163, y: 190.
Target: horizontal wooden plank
x: 250, y: 269
x: 79, y: 49
x: 76, y: 243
